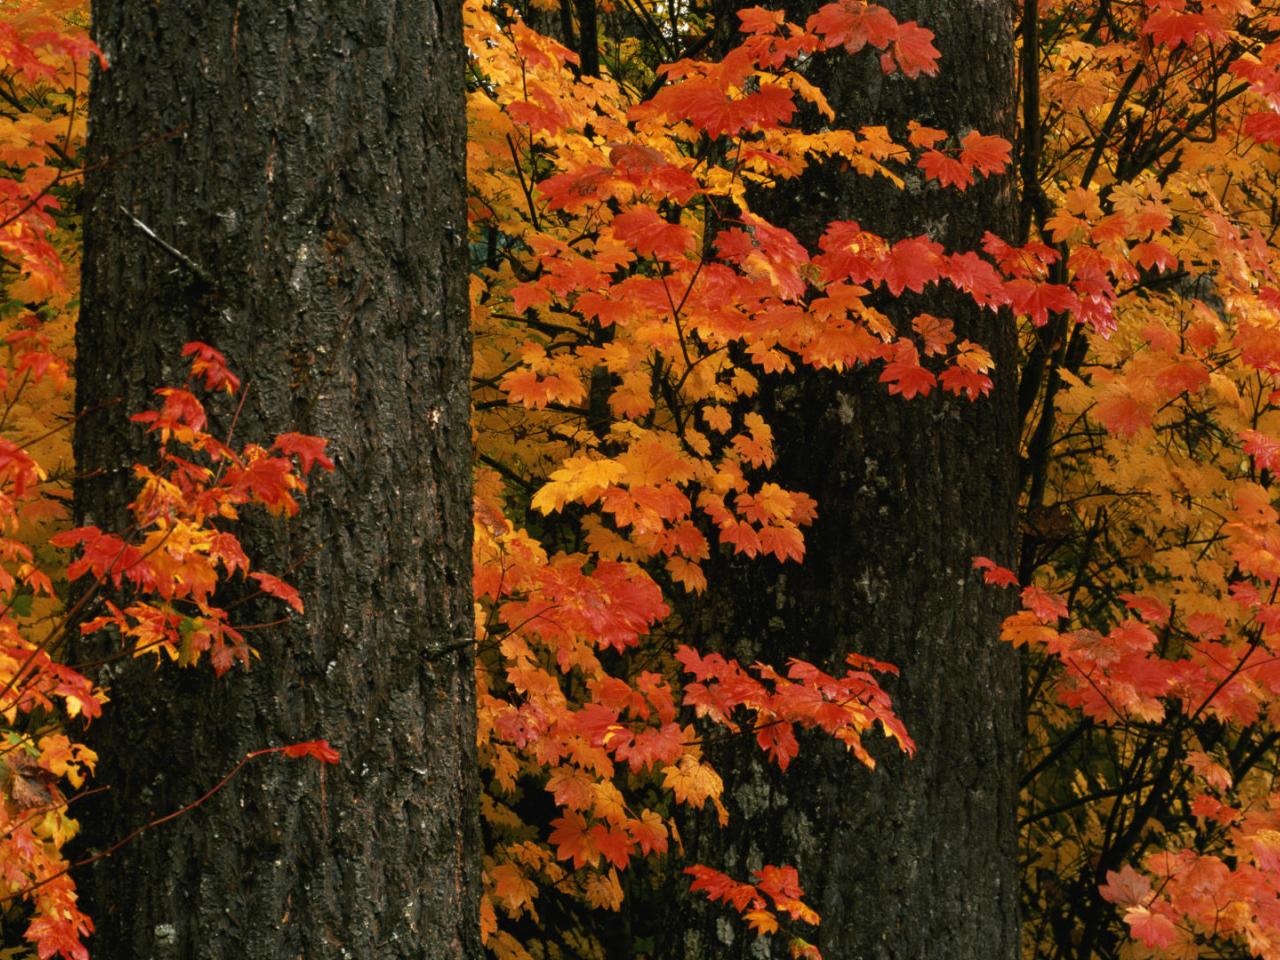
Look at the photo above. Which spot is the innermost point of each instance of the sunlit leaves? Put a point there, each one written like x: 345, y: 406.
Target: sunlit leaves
x: 629, y: 306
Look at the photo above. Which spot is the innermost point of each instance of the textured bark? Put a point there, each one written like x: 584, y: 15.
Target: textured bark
x: 918, y: 858
x: 307, y: 159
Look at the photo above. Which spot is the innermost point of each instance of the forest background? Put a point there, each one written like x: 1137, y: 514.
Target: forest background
x: 653, y: 257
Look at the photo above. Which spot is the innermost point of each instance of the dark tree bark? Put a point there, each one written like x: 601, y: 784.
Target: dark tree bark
x: 306, y: 160
x: 917, y: 859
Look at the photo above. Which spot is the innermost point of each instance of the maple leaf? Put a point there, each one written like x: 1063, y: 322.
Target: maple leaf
x: 913, y: 51
x: 905, y: 375
x: 571, y: 787
x: 910, y: 265
x: 649, y: 832
x: 1265, y: 450
x: 278, y: 588
x: 692, y: 781
x: 1153, y: 255
x: 1172, y: 28
x: 308, y: 450
x: 1038, y: 300
x: 1126, y: 887
x: 762, y: 921
x: 936, y: 332
x: 1122, y: 414
x: 777, y: 738
x: 993, y: 574
x: 1047, y: 607
x: 212, y: 365
x: 986, y: 154
x: 1153, y: 929
x: 759, y: 20
x: 513, y: 888
x: 1024, y: 628
x: 653, y: 746
x: 853, y: 25
x: 719, y: 886
x: 948, y: 171
x: 1263, y: 126
x: 572, y: 841
x: 650, y: 235
x: 614, y: 844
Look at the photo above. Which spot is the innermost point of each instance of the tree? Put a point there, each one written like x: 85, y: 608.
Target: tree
x: 288, y: 185
x: 640, y: 312
x: 661, y: 315
x: 921, y: 851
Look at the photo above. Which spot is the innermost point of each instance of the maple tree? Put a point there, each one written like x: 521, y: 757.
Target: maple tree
x: 1149, y: 484
x: 1140, y: 272
x: 173, y: 555
x: 632, y: 304
x: 162, y: 779
x: 693, y: 525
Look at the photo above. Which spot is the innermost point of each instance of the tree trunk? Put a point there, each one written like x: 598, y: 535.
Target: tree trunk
x: 306, y: 161
x: 917, y: 859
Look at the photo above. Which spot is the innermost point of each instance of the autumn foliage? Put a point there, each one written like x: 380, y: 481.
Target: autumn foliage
x: 628, y: 300
x: 627, y: 305
x: 161, y: 587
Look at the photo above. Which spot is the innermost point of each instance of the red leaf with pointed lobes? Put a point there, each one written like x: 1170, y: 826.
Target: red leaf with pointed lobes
x: 613, y: 843
x: 649, y: 832
x: 180, y: 409
x: 648, y: 168
x: 268, y: 481
x: 958, y: 380
x: 911, y: 265
x: 650, y: 235
x: 309, y: 450
x: 1122, y: 415
x: 853, y: 25
x: 1148, y: 608
x: 969, y: 272
x: 705, y: 102
x: 777, y: 738
x: 779, y: 883
x: 1173, y: 28
x: 993, y: 574
x: 946, y: 170
x: 212, y: 365
x: 1047, y: 607
x: 1038, y: 300
x: 1126, y: 887
x: 758, y: 20
x: 1265, y: 450
x: 576, y: 190
x: 278, y: 588
x: 985, y: 154
x: 1153, y: 255
x: 936, y: 332
x: 653, y: 746
x: 905, y: 375
x: 1152, y: 929
x: 718, y: 886
x: 914, y: 52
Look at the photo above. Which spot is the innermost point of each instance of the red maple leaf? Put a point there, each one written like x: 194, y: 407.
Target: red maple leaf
x: 309, y: 450
x: 650, y: 235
